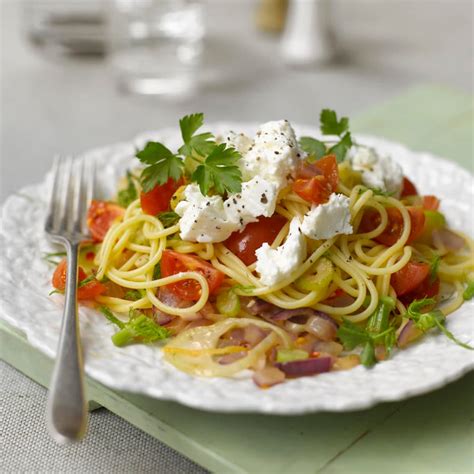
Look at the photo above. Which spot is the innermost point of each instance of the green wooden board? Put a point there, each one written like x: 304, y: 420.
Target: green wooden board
x: 426, y: 434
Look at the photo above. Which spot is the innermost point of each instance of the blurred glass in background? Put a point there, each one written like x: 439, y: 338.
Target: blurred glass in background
x: 66, y: 27
x: 156, y: 45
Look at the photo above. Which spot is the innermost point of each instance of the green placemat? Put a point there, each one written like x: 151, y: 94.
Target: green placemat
x: 426, y: 434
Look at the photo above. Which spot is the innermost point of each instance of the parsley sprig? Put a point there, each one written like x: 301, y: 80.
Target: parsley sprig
x: 213, y: 167
x: 162, y: 163
x: 431, y: 319
x: 329, y: 125
x: 219, y: 171
x: 139, y: 328
x: 202, y: 143
x: 377, y: 332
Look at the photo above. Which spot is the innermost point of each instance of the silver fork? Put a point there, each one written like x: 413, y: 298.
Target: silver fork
x: 73, y: 188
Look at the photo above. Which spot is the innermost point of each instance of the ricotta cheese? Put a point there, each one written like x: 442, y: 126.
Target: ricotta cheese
x: 324, y: 221
x: 378, y: 172
x: 274, y: 265
x: 257, y: 198
x: 203, y: 218
x: 274, y: 155
x: 211, y: 219
x: 239, y: 141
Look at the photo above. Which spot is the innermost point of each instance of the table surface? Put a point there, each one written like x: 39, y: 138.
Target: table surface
x: 50, y: 106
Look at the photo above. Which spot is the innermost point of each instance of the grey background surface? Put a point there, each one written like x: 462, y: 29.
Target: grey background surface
x: 50, y: 106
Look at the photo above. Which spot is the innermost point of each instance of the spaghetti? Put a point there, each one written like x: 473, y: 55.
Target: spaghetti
x: 372, y: 277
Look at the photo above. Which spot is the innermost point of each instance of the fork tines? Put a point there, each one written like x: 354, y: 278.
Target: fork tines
x: 72, y: 191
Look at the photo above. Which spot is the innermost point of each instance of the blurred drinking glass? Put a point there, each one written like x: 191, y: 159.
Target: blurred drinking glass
x: 156, y: 45
x: 66, y: 27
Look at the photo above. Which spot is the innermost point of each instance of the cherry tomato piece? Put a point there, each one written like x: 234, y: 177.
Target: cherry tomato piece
x: 245, y: 243
x: 317, y: 181
x: 431, y: 203
x: 394, y: 229
x: 190, y: 290
x: 428, y: 289
x: 101, y: 216
x: 89, y: 291
x: 408, y: 188
x: 410, y: 277
x: 158, y: 199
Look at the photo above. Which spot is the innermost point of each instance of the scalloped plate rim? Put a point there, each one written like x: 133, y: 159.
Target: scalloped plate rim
x: 273, y: 406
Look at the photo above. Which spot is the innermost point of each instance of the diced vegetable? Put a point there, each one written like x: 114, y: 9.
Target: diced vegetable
x: 139, y: 328
x: 228, y: 303
x: 88, y: 287
x: 320, y: 281
x: 348, y: 176
x: 174, y: 262
x: 301, y: 368
x: 468, y: 293
x: 288, y: 355
x: 433, y: 220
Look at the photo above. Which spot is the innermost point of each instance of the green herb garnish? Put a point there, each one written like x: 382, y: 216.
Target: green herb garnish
x: 157, y: 272
x: 126, y: 196
x: 213, y: 167
x: 49, y: 257
x: 202, y: 144
x: 315, y: 148
x: 219, y: 171
x: 434, y: 266
x: 430, y: 319
x: 378, y: 331
x: 329, y: 125
x: 139, y: 328
x: 134, y: 295
x: 168, y: 219
x: 86, y: 281
x: 162, y: 163
x: 468, y: 293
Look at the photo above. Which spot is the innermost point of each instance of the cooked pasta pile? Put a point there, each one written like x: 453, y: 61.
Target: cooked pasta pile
x: 351, y: 298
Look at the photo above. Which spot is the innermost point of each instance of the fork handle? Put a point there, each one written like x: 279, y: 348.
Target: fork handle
x: 66, y: 409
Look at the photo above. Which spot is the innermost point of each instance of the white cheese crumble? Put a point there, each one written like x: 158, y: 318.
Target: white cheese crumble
x: 324, y: 221
x: 239, y: 141
x: 378, y: 172
x: 274, y: 265
x: 203, y: 218
x: 274, y: 155
x: 257, y: 198
x: 211, y: 219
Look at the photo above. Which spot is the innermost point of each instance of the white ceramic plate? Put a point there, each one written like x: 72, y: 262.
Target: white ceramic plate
x: 25, y: 304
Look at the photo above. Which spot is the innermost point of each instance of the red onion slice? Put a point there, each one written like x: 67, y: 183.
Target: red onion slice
x: 268, y: 377
x: 408, y: 334
x: 328, y: 347
x: 254, y: 334
x: 302, y: 368
x: 447, y: 239
x: 322, y: 328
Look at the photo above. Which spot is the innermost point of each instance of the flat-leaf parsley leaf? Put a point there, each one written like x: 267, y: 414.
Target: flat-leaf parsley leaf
x: 163, y: 165
x: 330, y: 125
x: 219, y: 171
x: 202, y: 143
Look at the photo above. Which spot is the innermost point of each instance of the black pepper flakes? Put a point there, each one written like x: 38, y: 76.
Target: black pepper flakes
x: 276, y: 152
x: 264, y: 199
